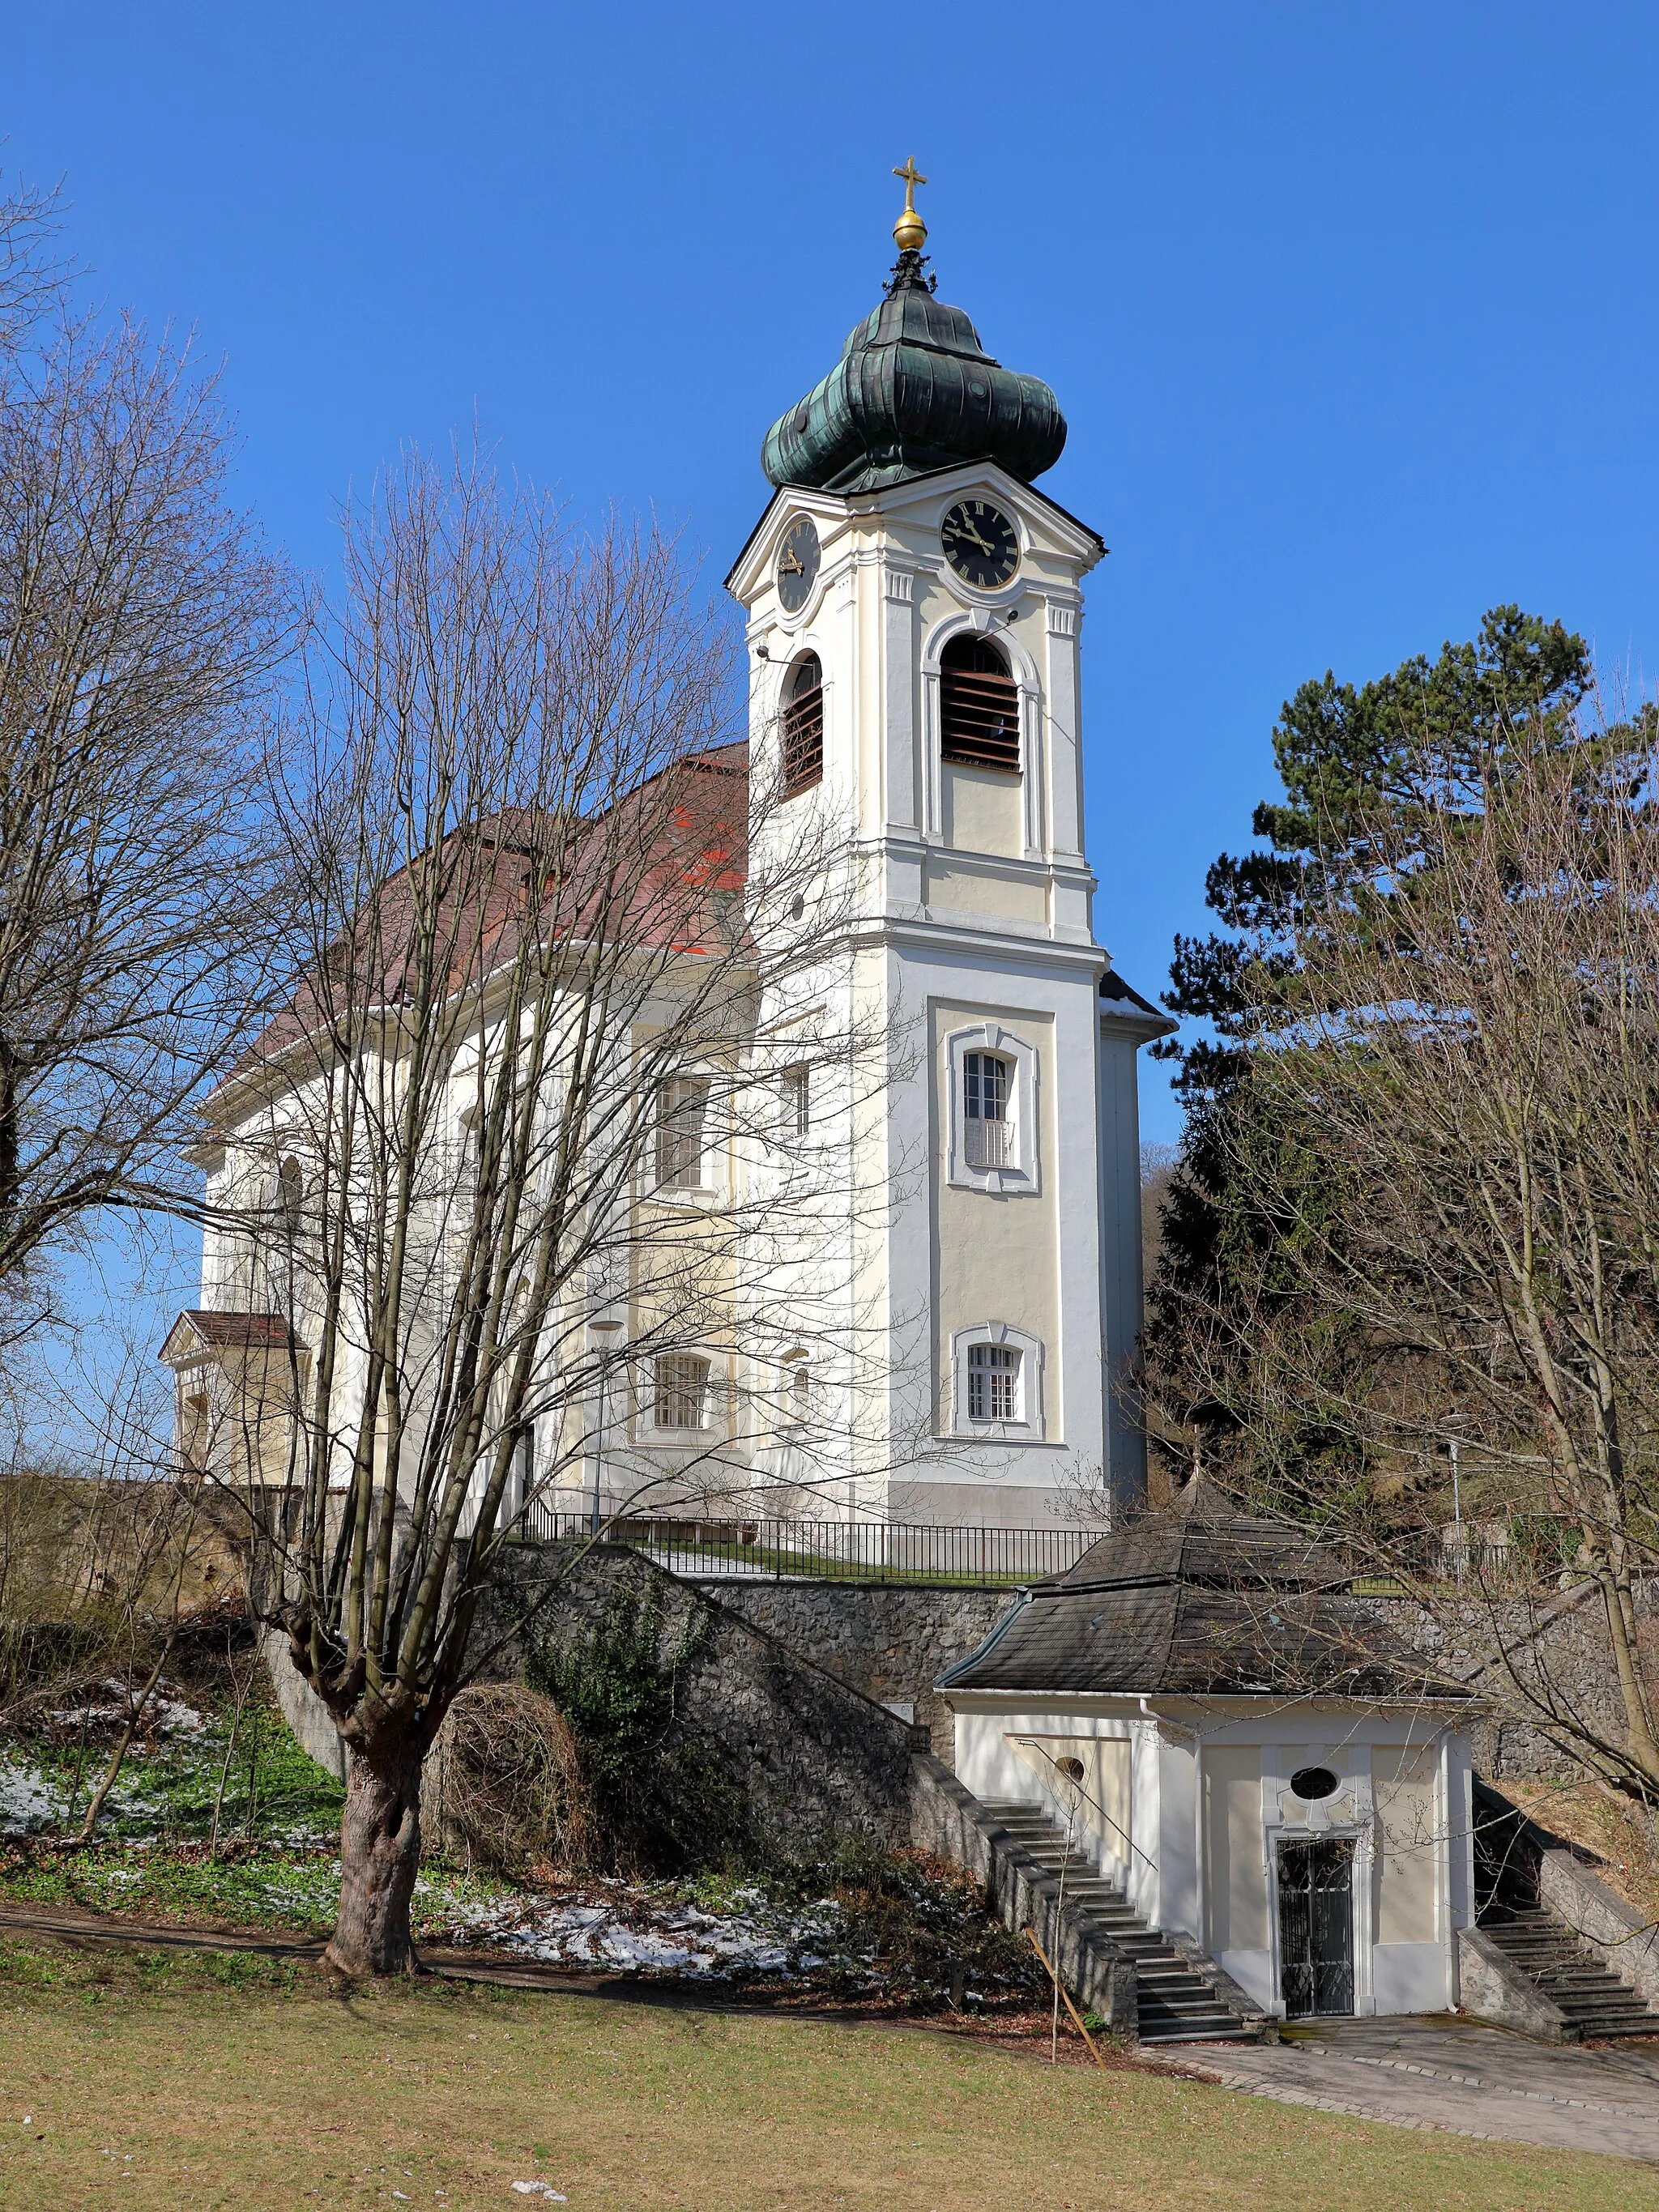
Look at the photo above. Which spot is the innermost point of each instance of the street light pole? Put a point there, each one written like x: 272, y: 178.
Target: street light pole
x: 1457, y: 1515
x: 605, y: 1331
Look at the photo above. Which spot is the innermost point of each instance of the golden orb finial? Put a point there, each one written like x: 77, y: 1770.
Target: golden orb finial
x: 911, y: 232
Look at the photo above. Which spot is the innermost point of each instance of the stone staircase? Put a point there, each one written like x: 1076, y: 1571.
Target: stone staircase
x: 1177, y: 2000
x: 1595, y: 2000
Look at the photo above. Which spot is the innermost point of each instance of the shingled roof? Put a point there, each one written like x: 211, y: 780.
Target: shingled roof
x: 219, y: 1331
x: 1199, y: 1603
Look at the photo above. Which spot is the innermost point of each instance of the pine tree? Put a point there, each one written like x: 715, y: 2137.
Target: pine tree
x: 1342, y: 753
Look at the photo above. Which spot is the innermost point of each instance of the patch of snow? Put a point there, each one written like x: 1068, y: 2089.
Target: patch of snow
x: 29, y: 1800
x: 633, y: 1929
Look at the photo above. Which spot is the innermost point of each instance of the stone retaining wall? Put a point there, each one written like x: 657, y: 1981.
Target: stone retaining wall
x: 817, y: 1757
x: 889, y: 1641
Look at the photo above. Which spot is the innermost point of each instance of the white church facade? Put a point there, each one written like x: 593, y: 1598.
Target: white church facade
x: 913, y: 622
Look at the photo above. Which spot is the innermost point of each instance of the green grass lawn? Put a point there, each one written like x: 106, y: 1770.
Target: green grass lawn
x: 167, y: 2084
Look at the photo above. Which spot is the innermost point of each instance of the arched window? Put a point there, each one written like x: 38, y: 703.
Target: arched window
x: 796, y: 1409
x: 992, y: 1135
x: 803, y: 724
x: 986, y: 1080
x: 996, y: 1384
x: 979, y: 706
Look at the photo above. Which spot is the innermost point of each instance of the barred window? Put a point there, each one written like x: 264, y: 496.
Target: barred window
x: 681, y: 1113
x: 682, y: 1390
x: 979, y: 706
x: 986, y: 1082
x: 993, y: 1383
x: 803, y: 725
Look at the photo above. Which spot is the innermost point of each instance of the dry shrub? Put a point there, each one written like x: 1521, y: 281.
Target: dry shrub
x: 504, y: 1787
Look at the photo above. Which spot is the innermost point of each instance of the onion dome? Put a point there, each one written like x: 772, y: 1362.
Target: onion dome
x: 914, y: 391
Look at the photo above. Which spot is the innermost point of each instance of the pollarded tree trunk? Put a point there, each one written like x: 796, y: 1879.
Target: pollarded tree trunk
x: 380, y: 1857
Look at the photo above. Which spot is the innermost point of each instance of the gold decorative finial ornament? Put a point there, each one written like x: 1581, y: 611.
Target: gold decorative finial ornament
x: 911, y: 232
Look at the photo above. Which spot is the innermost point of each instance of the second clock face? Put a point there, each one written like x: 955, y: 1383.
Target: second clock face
x: 980, y: 543
x: 797, y: 562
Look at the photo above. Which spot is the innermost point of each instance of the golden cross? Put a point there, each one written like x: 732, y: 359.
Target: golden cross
x: 912, y: 177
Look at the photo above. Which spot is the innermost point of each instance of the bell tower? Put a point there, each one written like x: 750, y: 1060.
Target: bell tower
x: 914, y: 609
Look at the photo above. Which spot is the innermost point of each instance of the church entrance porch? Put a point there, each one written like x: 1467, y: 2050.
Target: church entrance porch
x: 1316, y: 1926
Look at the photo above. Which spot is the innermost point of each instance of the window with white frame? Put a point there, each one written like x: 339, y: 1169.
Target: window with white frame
x: 681, y: 1394
x: 682, y: 1120
x: 992, y: 1109
x: 996, y: 1382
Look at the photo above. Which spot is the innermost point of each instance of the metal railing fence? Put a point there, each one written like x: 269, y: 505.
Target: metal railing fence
x: 829, y: 1551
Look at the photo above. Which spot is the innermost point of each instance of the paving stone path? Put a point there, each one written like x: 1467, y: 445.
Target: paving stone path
x: 1457, y: 2075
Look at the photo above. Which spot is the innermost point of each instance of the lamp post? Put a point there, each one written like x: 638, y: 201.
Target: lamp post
x: 606, y: 1332
x: 1457, y: 1513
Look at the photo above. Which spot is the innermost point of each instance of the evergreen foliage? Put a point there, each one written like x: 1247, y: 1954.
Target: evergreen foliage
x: 1345, y: 755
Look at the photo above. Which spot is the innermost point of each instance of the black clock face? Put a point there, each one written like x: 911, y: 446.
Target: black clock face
x: 980, y: 543
x: 797, y: 562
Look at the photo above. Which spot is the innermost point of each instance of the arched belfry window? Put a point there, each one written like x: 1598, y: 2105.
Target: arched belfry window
x: 979, y: 706
x: 803, y: 724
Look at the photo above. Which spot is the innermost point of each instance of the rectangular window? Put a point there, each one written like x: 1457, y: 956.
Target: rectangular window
x: 682, y: 1391
x: 993, y: 1383
x: 797, y: 1103
x: 985, y: 1132
x: 682, y: 1111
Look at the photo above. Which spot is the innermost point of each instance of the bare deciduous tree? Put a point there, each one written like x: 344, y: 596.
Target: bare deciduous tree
x: 138, y: 619
x: 1460, y: 1079
x: 527, y: 1158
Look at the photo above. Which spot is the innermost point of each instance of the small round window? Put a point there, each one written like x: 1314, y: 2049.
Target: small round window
x: 1070, y: 1768
x: 1310, y: 1783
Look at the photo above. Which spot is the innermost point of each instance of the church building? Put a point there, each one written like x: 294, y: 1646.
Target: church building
x: 913, y: 620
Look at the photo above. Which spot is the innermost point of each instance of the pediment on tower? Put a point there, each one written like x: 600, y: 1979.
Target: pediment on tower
x: 908, y: 517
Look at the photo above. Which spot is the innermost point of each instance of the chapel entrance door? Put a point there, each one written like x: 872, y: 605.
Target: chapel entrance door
x: 1316, y: 1925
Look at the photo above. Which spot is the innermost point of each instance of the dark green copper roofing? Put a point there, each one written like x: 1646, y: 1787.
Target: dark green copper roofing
x: 914, y: 391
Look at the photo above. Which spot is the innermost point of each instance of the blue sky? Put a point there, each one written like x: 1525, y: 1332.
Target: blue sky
x: 1352, y: 310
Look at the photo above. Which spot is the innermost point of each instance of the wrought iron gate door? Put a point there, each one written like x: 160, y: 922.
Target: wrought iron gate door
x: 1316, y: 1925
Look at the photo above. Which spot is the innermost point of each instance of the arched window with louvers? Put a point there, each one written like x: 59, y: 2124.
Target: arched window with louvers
x: 802, y: 725
x: 979, y: 706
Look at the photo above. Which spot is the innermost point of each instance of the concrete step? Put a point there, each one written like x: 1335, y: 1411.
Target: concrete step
x: 1577, y: 1980
x: 1177, y: 2004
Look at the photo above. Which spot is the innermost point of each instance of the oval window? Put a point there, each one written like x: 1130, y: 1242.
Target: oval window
x: 1070, y: 1768
x: 1310, y: 1783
